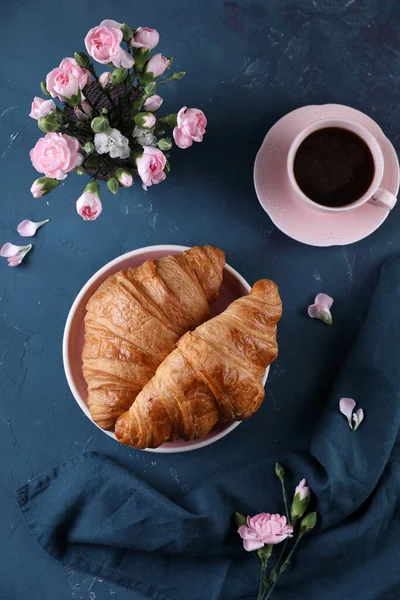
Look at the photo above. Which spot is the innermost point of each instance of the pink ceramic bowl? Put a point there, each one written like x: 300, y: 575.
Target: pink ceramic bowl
x: 233, y: 286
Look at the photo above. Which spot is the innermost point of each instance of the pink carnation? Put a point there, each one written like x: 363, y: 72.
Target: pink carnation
x: 190, y: 128
x: 82, y: 75
x: 145, y: 38
x: 103, y: 44
x: 264, y: 529
x: 41, y: 108
x: 62, y: 84
x: 151, y: 166
x: 56, y: 154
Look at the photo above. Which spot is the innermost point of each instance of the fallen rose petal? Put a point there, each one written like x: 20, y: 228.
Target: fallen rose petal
x: 324, y: 300
x: 346, y: 406
x: 14, y: 254
x: 28, y: 228
x: 321, y: 308
x: 357, y: 418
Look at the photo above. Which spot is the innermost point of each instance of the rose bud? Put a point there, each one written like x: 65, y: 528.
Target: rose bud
x: 100, y: 124
x: 42, y: 186
x: 119, y: 75
x: 41, y: 108
x: 153, y: 103
x: 157, y: 65
x: 145, y: 120
x: 124, y: 177
x: 301, y: 500
x: 48, y: 124
x: 145, y: 38
x: 105, y: 79
x: 89, y: 206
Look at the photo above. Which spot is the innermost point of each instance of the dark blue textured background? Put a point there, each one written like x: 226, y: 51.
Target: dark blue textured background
x: 248, y: 63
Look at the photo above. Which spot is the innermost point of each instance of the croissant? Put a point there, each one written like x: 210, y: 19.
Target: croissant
x: 134, y: 320
x: 214, y: 375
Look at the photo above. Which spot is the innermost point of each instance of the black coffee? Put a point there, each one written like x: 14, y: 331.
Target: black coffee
x: 333, y: 167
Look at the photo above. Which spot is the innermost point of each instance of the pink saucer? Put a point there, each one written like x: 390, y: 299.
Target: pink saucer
x: 291, y: 215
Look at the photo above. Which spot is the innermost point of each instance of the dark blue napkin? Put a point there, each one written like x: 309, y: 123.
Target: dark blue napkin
x: 95, y: 515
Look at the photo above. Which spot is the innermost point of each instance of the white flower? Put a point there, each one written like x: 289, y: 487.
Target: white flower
x: 144, y: 137
x: 112, y: 142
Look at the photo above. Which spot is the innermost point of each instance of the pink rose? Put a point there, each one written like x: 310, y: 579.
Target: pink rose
x: 150, y: 166
x: 89, y: 206
x: 145, y: 38
x: 264, y: 529
x: 153, y: 103
x: 105, y: 79
x: 41, y: 108
x: 62, y: 84
x: 56, y: 154
x: 157, y: 65
x: 190, y: 128
x: 82, y: 75
x: 103, y: 44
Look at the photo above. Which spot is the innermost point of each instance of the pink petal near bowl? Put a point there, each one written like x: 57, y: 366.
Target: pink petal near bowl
x: 233, y: 286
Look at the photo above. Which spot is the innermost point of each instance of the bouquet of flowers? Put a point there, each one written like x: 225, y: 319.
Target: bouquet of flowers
x: 106, y: 126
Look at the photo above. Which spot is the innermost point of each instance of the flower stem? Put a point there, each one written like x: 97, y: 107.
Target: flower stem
x: 261, y: 590
x: 272, y: 576
x: 285, y: 502
x: 283, y: 567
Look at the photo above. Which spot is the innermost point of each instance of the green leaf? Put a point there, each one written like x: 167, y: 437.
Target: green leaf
x: 92, y: 188
x: 82, y: 60
x: 126, y: 32
x: 150, y: 88
x: 91, y: 161
x: 145, y: 78
x: 265, y: 552
x: 178, y: 75
x: 112, y: 185
x: 240, y: 520
x: 141, y: 55
x: 164, y: 144
x: 119, y: 75
x: 308, y: 522
x: 167, y: 167
x: 44, y: 89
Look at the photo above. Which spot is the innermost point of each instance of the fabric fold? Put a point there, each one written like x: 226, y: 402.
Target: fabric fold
x: 95, y: 515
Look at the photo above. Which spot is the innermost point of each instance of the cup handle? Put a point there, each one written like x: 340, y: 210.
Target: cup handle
x: 383, y: 199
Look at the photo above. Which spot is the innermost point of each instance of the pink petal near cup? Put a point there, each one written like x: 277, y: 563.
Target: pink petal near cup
x: 14, y: 254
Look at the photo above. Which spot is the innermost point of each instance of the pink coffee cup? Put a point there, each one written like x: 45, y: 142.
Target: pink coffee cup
x: 375, y: 195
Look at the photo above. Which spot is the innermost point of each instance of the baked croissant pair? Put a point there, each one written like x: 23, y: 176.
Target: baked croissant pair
x: 214, y: 374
